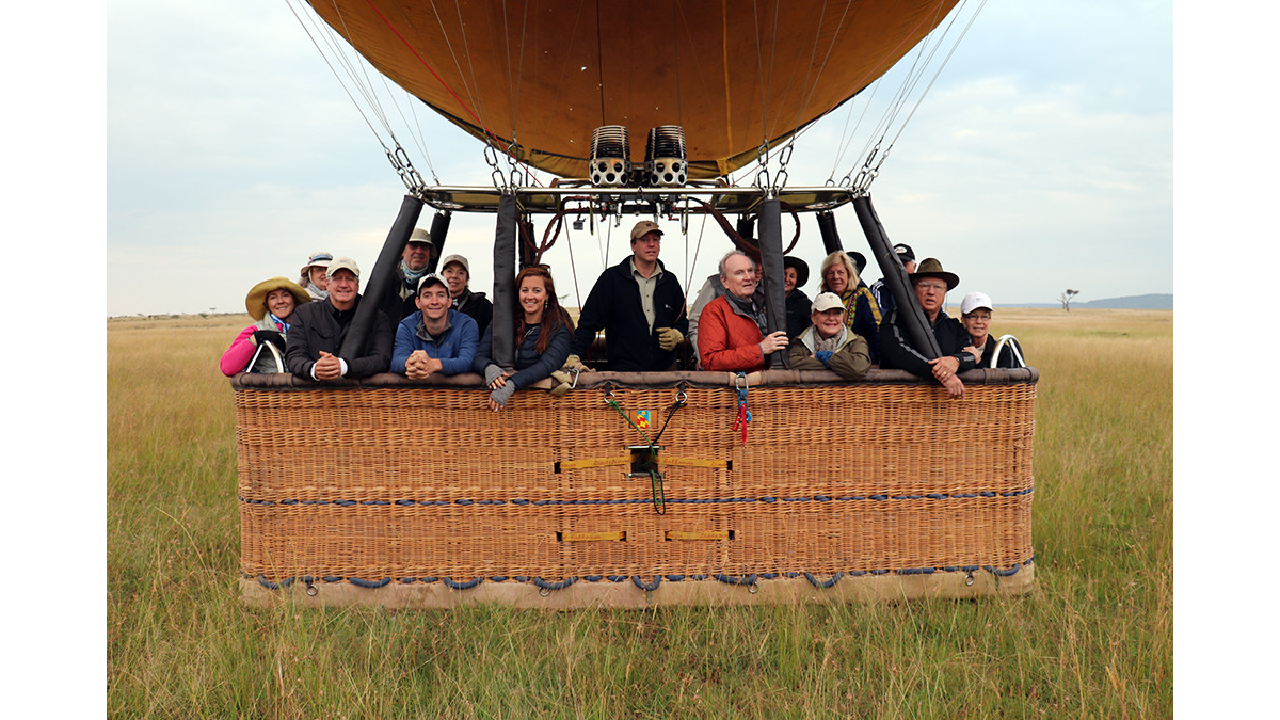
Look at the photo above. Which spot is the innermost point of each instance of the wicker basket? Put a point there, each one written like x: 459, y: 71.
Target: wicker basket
x: 409, y: 494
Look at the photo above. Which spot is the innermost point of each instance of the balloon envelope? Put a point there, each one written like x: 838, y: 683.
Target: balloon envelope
x: 546, y: 73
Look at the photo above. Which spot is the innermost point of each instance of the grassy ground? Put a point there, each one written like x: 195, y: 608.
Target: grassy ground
x: 1093, y: 640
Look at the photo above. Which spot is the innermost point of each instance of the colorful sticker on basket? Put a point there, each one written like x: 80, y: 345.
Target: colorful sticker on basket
x: 644, y: 419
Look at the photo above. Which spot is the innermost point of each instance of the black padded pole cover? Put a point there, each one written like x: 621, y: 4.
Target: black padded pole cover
x: 504, y: 276
x: 775, y: 298
x: 912, y: 315
x: 827, y: 227
x: 439, y: 233
x: 747, y: 228
x: 382, y: 276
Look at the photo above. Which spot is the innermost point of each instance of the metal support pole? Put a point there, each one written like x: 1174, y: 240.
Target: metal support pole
x: 775, y: 299
x: 504, y: 292
x: 381, y: 277
x: 909, y: 312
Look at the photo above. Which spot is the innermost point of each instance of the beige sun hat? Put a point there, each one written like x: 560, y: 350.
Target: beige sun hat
x: 256, y: 301
x: 320, y: 260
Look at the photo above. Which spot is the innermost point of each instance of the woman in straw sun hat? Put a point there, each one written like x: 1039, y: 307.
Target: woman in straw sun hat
x: 260, y: 347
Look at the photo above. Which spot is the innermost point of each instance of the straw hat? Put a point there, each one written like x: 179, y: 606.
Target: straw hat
x: 256, y: 301
x: 932, y: 267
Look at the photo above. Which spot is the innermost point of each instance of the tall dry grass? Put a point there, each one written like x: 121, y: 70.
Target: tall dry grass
x: 1094, y: 639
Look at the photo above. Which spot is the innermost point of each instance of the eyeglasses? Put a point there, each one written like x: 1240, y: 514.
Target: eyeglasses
x: 932, y: 286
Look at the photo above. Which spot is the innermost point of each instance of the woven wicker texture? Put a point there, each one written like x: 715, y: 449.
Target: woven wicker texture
x: 402, y: 481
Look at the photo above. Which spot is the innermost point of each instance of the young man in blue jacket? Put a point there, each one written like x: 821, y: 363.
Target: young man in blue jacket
x: 436, y: 338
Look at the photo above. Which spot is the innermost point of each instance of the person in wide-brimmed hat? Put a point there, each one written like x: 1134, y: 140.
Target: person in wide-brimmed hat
x: 931, y: 283
x: 313, y: 278
x: 260, y: 347
x: 795, y: 273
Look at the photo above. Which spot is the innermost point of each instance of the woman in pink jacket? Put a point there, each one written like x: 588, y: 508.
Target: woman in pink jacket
x: 260, y: 347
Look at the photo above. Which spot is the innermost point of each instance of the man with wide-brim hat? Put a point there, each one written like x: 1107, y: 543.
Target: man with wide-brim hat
x: 931, y: 283
x: 795, y: 273
x: 271, y: 304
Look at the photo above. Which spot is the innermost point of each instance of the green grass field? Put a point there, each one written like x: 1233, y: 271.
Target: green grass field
x: 1095, y: 639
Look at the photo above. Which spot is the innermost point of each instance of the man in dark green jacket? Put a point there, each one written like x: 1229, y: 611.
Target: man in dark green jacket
x: 640, y: 307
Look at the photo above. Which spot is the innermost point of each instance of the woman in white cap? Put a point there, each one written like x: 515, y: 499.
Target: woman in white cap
x: 975, y: 315
x: 260, y: 347
x: 313, y: 275
x: 829, y: 344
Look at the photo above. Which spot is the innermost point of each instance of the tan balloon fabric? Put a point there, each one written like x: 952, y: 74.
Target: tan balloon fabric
x: 735, y: 75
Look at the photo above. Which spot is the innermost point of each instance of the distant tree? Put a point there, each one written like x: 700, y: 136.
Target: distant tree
x: 1065, y: 298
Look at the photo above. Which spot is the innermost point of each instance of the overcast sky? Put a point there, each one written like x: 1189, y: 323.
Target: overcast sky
x: 213, y: 149
x: 1041, y: 159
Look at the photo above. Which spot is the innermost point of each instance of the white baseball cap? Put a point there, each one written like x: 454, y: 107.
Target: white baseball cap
x: 974, y: 300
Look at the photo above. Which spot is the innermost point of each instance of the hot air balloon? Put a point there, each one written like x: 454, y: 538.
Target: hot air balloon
x: 638, y: 107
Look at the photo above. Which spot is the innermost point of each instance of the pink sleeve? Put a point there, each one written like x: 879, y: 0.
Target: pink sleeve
x: 237, y: 356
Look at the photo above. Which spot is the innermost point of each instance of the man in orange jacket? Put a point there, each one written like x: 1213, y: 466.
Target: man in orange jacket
x: 731, y: 330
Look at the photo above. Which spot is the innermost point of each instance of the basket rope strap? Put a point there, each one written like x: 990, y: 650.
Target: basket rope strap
x: 744, y: 415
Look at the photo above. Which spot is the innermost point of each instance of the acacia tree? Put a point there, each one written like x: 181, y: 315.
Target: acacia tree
x: 1065, y: 298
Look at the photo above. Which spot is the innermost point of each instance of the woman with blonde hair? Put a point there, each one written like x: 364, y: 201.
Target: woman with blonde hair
x: 862, y: 314
x: 543, y: 334
x: 260, y: 347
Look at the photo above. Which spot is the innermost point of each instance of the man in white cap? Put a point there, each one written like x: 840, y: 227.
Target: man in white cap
x: 319, y: 329
x: 931, y: 284
x: 828, y: 343
x: 975, y: 315
x: 640, y: 307
x: 457, y: 272
x: 398, y: 303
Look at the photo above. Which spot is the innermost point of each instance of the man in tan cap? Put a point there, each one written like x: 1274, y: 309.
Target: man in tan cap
x: 319, y: 328
x: 828, y: 343
x: 640, y: 307
x: 398, y: 302
x: 931, y: 284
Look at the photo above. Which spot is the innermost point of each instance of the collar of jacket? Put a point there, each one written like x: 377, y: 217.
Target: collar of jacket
x: 424, y: 334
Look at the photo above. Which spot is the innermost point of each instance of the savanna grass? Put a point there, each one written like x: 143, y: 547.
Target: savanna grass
x: 1093, y: 640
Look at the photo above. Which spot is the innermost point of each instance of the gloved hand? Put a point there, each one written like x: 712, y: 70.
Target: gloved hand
x: 563, y: 381
x: 668, y: 338
x: 271, y: 336
x: 573, y: 362
x: 491, y: 373
x: 824, y: 356
x: 503, y: 394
